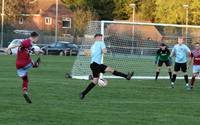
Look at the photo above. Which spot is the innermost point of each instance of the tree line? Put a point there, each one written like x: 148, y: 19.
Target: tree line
x: 163, y: 11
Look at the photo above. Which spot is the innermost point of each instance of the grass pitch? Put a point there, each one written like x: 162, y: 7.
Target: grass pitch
x: 56, y: 102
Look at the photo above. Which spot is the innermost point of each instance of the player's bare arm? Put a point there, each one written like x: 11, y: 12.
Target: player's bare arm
x: 11, y: 47
x: 104, y: 50
x: 172, y: 54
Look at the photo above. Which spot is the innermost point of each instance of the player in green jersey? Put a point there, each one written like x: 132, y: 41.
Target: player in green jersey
x: 163, y: 56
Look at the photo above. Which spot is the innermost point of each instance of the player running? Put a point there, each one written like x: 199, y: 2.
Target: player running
x: 24, y: 62
x: 97, y: 51
x: 181, y: 53
x: 163, y: 56
x: 195, y: 59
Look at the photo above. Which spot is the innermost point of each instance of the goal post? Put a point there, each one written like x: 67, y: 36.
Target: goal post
x: 132, y: 46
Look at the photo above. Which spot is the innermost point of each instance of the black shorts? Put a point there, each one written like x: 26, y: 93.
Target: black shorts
x: 167, y: 63
x: 180, y: 66
x: 97, y: 69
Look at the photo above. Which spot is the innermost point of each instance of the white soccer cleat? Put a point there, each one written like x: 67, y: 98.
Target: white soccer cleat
x: 172, y: 84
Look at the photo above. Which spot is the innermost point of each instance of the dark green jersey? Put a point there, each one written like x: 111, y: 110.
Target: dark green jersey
x: 163, y: 55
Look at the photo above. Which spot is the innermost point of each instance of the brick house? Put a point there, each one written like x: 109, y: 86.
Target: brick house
x: 45, y: 18
x: 141, y: 31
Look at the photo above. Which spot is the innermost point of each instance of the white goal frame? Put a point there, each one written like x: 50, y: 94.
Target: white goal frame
x: 144, y: 24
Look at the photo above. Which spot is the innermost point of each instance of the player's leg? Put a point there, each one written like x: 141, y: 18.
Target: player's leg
x: 184, y: 70
x: 93, y: 83
x: 157, y: 72
x: 168, y: 64
x: 25, y: 84
x: 117, y: 73
x: 96, y: 73
x: 159, y: 65
x: 193, y: 80
x: 169, y: 72
x: 195, y: 72
x: 25, y: 89
x: 176, y: 70
x: 36, y: 63
x: 24, y: 75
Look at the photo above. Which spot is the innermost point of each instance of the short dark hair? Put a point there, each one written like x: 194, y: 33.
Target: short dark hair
x: 163, y: 44
x: 34, y: 34
x: 98, y: 34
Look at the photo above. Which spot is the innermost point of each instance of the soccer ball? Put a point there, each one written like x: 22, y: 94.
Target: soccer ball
x: 36, y: 49
x: 102, y: 82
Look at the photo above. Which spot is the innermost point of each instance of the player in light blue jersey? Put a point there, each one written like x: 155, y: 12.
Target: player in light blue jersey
x: 181, y: 53
x: 97, y: 67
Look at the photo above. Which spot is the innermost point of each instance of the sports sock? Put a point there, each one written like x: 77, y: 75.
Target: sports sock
x: 186, y: 79
x: 88, y: 88
x: 157, y: 74
x: 25, y: 84
x: 170, y: 75
x: 192, y: 81
x: 116, y: 73
x: 174, y: 78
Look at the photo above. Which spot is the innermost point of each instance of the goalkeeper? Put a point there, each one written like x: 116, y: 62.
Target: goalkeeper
x: 163, y: 56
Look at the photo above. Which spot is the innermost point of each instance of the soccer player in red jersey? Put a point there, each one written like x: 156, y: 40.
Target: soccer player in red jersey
x: 24, y: 62
x: 195, y: 59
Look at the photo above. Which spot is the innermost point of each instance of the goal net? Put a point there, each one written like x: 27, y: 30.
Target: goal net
x: 132, y: 46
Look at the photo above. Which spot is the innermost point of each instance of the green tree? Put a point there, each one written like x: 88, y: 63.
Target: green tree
x: 122, y: 9
x: 80, y: 20
x: 103, y: 8
x: 195, y: 12
x: 82, y: 15
x: 148, y: 9
x: 75, y: 4
x: 171, y: 11
x: 13, y: 8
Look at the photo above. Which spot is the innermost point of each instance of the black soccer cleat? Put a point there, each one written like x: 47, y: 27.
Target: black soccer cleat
x: 130, y: 74
x: 82, y: 96
x: 68, y: 75
x: 90, y: 77
x: 27, y: 98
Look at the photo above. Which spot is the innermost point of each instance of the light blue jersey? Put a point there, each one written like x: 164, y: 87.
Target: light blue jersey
x: 96, y: 51
x: 181, y: 53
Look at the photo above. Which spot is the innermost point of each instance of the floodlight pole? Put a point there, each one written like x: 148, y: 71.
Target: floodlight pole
x: 133, y: 28
x: 2, y: 22
x: 186, y: 7
x: 56, y: 22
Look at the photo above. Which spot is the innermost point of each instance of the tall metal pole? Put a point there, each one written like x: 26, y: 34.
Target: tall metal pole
x: 56, y: 22
x: 186, y: 21
x: 133, y: 28
x: 2, y: 23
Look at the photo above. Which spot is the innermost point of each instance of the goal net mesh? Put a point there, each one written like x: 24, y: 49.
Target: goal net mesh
x: 132, y: 46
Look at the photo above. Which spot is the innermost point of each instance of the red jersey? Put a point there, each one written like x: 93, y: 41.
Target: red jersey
x: 196, y: 57
x: 23, y: 54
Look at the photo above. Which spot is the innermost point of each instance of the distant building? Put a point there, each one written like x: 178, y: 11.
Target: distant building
x: 45, y: 17
x: 140, y: 31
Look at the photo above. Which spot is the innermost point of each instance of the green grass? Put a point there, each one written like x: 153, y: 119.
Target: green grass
x: 56, y: 102
x: 141, y: 65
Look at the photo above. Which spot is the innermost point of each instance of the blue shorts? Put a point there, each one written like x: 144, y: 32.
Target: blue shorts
x: 196, y: 69
x: 23, y: 71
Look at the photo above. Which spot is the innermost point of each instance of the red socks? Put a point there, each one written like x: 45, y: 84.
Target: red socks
x: 192, y: 81
x: 25, y: 84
